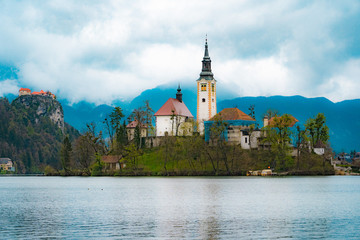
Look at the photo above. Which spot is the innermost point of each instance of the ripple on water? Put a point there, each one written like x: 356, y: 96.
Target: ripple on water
x: 190, y: 207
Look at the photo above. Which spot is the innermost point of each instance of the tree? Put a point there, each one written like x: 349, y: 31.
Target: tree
x: 218, y: 134
x: 139, y: 116
x: 278, y: 134
x: 252, y: 111
x: 113, y: 124
x: 121, y: 139
x: 94, y: 139
x: 84, y: 154
x: 317, y: 130
x: 175, y: 123
x: 66, y: 154
x: 131, y: 157
x: 270, y: 113
x: 148, y: 117
x: 301, y: 144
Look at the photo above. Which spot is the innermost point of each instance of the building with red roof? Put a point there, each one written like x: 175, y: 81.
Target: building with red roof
x: 236, y: 128
x: 174, y: 118
x: 130, y: 129
x: 24, y: 91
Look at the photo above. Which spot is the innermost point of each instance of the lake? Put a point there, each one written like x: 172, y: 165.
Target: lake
x: 180, y: 207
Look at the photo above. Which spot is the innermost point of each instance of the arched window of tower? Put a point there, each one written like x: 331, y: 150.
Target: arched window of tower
x: 203, y: 100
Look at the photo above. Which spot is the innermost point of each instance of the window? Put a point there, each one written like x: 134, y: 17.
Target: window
x: 203, y: 100
x: 213, y: 87
x: 246, y: 140
x: 203, y: 87
x: 212, y: 100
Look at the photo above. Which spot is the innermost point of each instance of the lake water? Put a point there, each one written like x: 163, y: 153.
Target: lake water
x: 180, y: 207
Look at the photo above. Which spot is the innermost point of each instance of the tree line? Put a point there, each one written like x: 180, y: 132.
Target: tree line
x: 192, y: 155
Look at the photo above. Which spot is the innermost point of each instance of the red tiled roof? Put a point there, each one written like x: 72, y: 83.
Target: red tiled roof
x: 39, y: 93
x: 232, y: 114
x: 111, y: 158
x: 25, y: 89
x: 174, y: 106
x: 293, y: 121
x: 134, y: 124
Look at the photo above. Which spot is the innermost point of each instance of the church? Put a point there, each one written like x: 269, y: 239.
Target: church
x: 175, y: 119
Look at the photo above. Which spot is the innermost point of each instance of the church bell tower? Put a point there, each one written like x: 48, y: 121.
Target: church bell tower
x: 206, y: 92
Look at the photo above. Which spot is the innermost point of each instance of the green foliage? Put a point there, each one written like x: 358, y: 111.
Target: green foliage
x: 131, y: 157
x: 66, y: 155
x: 97, y: 167
x: 32, y: 141
x: 317, y: 130
x: 50, y: 171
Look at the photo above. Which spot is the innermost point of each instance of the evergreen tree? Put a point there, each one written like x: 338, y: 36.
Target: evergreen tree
x: 66, y: 154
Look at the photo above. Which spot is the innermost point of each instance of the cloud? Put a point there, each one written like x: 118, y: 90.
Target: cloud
x: 102, y: 51
x: 8, y: 86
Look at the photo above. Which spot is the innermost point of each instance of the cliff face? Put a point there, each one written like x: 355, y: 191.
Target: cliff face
x: 42, y: 106
x: 32, y: 129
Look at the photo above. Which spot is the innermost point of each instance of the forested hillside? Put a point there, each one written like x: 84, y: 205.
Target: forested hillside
x: 31, y: 132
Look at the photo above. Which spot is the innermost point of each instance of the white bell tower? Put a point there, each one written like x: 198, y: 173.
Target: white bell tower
x: 206, y: 92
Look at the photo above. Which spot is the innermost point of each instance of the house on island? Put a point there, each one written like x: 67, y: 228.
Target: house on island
x: 112, y: 162
x: 130, y: 129
x: 237, y: 127
x: 174, y: 118
x: 7, y: 164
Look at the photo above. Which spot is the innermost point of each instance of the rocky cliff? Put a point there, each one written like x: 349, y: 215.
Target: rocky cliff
x: 32, y: 129
x: 42, y: 106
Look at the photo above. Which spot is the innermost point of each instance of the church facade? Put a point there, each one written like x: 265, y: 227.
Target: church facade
x: 174, y: 118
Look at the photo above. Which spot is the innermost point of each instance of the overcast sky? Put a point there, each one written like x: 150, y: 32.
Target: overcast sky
x: 99, y: 51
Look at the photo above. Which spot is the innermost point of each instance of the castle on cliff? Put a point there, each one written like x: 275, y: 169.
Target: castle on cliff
x: 27, y: 91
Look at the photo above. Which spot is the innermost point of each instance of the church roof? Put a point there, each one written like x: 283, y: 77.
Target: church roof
x: 232, y: 114
x: 134, y: 124
x: 293, y: 120
x: 174, y: 107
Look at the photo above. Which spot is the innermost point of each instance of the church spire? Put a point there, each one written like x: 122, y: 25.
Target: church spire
x: 179, y: 94
x: 206, y: 64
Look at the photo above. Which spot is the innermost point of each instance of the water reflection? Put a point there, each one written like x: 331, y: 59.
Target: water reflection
x: 179, y: 208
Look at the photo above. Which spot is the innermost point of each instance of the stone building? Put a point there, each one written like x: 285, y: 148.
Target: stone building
x: 130, y: 129
x: 239, y: 128
x: 24, y: 91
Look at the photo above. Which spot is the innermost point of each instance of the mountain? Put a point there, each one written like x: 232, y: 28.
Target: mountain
x: 82, y: 113
x: 32, y: 129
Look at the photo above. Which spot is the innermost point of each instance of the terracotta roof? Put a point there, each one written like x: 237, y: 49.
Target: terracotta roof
x: 174, y: 106
x: 111, y: 158
x: 25, y: 89
x: 134, y: 124
x: 293, y: 121
x: 39, y: 93
x: 232, y: 114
